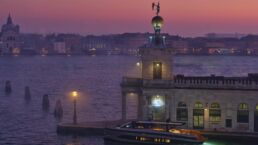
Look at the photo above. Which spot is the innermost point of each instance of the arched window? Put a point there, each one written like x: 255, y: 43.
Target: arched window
x: 182, y: 104
x: 242, y: 113
x: 198, y: 105
x: 243, y: 106
x: 215, y: 112
x: 182, y: 112
x: 215, y: 106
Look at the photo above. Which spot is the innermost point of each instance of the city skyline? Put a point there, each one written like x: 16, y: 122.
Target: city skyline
x: 97, y: 17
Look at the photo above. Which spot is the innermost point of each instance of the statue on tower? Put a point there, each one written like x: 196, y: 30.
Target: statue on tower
x: 156, y: 7
x: 157, y: 23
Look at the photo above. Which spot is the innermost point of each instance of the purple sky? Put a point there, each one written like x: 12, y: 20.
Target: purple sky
x: 183, y: 17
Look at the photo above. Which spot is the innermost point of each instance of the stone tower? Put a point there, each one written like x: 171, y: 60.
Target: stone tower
x: 156, y: 56
x: 10, y: 36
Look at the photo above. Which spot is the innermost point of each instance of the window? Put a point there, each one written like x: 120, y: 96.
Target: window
x: 243, y: 113
x: 228, y: 123
x: 215, y: 106
x: 198, y: 116
x: 182, y: 104
x: 215, y: 112
x: 182, y: 112
x: 157, y: 70
x: 243, y: 106
x: 198, y: 105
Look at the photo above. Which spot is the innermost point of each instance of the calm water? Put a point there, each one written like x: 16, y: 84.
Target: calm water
x: 97, y: 78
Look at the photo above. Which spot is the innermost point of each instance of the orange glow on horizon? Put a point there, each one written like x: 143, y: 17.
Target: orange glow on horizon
x: 183, y: 17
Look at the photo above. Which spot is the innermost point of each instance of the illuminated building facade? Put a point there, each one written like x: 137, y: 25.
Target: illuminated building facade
x: 205, y: 102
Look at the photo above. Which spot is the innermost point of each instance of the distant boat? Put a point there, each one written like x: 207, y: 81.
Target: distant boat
x: 152, y: 133
x: 92, y: 51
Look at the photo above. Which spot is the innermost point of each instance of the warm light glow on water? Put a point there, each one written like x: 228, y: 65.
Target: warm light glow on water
x: 218, y: 142
x: 229, y: 142
x: 211, y: 143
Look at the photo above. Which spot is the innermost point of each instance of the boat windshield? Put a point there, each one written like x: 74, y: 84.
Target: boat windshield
x: 158, y: 126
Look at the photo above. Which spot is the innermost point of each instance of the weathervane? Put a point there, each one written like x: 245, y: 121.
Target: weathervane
x: 156, y: 7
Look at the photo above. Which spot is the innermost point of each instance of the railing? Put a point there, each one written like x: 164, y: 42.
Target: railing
x: 217, y: 83
x: 211, y: 82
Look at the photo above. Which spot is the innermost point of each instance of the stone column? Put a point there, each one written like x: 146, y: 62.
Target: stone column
x: 251, y: 119
x: 190, y: 113
x: 223, y: 114
x: 173, y: 107
x: 140, y: 106
x: 206, y: 118
x: 234, y: 118
x: 148, y: 109
x: 144, y: 107
x: 167, y: 107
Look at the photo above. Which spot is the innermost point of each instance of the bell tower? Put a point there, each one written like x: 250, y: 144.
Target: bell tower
x: 156, y: 56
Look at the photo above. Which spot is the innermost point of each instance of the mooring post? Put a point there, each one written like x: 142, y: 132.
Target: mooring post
x: 45, y: 103
x: 27, y: 95
x: 58, y: 109
x: 8, y: 87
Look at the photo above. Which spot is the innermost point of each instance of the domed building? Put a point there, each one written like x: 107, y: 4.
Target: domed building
x: 10, y: 38
x: 202, y: 102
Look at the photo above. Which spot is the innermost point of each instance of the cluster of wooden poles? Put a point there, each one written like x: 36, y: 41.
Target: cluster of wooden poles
x: 58, y: 112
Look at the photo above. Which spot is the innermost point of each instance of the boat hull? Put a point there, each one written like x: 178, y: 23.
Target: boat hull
x: 128, y: 137
x: 115, y: 141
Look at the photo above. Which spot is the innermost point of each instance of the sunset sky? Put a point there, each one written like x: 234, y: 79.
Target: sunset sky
x: 182, y: 17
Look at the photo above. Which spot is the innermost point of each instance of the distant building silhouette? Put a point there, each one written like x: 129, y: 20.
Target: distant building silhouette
x: 10, y: 38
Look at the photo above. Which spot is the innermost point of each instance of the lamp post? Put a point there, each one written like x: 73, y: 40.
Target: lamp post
x: 74, y: 95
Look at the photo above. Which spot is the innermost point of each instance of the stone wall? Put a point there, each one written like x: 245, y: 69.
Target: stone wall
x: 162, y: 55
x: 229, y: 101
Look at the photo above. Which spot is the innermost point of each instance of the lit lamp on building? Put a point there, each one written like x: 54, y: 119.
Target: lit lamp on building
x: 74, y: 96
x: 157, y: 102
x: 206, y: 107
x: 138, y: 64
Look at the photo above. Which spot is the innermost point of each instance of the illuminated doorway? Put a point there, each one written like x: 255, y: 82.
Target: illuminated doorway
x: 157, y: 108
x: 157, y: 70
x: 256, y: 119
x: 198, y: 116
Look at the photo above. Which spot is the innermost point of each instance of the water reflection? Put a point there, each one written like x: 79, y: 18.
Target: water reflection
x: 82, y: 140
x: 230, y: 142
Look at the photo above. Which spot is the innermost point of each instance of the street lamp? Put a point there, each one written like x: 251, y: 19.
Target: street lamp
x: 74, y: 95
x: 138, y: 63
